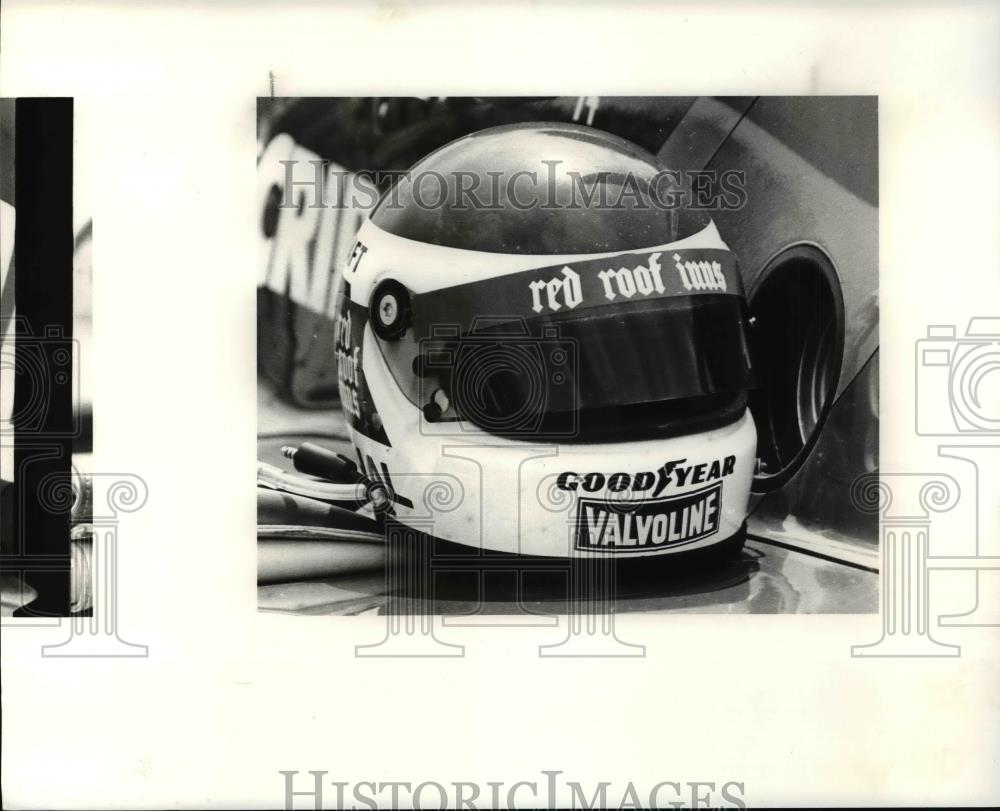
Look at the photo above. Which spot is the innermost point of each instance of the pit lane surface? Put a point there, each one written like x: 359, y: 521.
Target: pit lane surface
x: 766, y: 578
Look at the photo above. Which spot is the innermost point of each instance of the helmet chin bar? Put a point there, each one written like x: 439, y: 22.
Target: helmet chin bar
x: 536, y: 498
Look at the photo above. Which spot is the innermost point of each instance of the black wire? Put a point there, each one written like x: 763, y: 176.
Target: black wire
x: 304, y: 435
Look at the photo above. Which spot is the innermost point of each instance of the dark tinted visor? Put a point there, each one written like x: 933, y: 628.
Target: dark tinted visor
x: 634, y: 345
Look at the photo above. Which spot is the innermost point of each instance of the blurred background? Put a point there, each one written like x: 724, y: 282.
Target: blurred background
x: 17, y: 591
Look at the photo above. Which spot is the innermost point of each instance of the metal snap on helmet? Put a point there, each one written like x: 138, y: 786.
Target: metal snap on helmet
x: 542, y: 350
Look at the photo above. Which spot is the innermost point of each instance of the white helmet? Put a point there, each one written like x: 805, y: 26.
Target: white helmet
x: 535, y: 319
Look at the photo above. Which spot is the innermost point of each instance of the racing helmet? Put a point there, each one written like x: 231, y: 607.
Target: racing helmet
x: 542, y: 349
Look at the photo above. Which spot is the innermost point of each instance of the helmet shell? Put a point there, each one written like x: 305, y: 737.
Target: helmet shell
x: 559, y: 497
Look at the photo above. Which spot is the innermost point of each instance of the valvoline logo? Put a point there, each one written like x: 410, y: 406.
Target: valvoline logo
x: 613, y: 526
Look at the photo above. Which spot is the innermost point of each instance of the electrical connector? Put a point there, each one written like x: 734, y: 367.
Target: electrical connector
x: 315, y: 460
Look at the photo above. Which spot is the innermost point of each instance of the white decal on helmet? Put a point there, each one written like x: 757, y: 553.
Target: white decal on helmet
x: 700, y: 275
x: 569, y: 287
x: 643, y: 279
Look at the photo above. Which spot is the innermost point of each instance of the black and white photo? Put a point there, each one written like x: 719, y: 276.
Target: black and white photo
x: 620, y: 382
x: 503, y: 339
x: 46, y: 429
